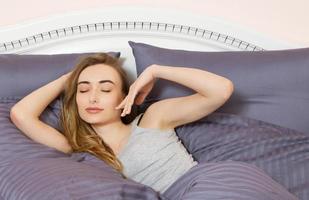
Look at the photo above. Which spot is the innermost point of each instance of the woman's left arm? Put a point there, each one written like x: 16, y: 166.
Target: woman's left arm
x: 212, y: 92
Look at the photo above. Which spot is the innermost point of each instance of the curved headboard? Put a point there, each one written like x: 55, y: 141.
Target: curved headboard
x: 111, y: 28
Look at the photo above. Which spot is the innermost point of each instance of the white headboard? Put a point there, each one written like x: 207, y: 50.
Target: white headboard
x: 111, y: 28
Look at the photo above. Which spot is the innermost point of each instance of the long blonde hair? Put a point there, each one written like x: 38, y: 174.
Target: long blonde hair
x: 80, y: 134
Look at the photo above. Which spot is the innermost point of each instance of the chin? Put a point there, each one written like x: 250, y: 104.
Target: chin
x: 93, y: 122
x: 92, y: 119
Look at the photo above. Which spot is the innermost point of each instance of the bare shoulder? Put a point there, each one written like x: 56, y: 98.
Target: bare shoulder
x: 152, y: 119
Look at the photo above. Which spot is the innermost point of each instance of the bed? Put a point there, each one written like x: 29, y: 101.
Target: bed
x: 265, y: 122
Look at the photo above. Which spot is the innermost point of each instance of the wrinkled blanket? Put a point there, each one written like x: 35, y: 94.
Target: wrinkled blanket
x: 281, y: 152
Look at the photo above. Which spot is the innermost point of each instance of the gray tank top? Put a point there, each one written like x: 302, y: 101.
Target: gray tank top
x: 154, y: 157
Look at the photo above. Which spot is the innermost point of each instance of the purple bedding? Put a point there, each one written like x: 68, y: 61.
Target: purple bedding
x: 281, y: 152
x: 29, y: 170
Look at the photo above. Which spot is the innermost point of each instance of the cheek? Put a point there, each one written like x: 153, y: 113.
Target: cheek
x: 111, y: 101
x: 81, y: 100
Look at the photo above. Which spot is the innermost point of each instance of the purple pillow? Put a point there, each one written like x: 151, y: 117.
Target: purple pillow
x: 21, y: 74
x: 271, y: 86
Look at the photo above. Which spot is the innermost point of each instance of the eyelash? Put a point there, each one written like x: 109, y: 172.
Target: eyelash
x: 101, y: 90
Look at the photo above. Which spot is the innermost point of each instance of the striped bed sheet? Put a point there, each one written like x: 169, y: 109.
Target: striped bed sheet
x: 228, y: 168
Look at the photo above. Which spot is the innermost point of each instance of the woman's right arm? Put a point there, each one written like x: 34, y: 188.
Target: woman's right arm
x: 25, y: 115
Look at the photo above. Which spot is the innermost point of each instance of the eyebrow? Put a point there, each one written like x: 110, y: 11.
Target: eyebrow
x: 101, y: 81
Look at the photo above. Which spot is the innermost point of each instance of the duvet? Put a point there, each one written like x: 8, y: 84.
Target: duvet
x: 237, y: 156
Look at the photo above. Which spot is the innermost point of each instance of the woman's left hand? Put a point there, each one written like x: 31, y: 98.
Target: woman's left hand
x: 138, y: 91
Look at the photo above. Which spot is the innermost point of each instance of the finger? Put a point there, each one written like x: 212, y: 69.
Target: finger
x: 129, y: 104
x: 129, y: 107
x: 132, y: 100
x: 126, y: 106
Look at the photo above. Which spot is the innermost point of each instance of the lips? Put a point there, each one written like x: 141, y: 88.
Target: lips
x: 93, y: 110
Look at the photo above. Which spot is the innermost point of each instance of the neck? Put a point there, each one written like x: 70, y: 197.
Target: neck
x: 113, y: 133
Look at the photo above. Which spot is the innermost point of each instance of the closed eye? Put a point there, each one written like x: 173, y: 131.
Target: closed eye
x: 101, y: 90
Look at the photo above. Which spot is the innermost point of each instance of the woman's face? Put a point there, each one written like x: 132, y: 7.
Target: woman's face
x: 98, y: 93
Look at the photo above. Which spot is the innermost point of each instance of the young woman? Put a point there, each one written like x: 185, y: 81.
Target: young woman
x: 97, y: 97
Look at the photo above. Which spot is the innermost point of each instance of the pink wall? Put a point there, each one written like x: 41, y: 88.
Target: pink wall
x: 285, y: 20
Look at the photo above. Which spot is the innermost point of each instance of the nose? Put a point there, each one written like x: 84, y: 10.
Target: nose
x: 93, y: 98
